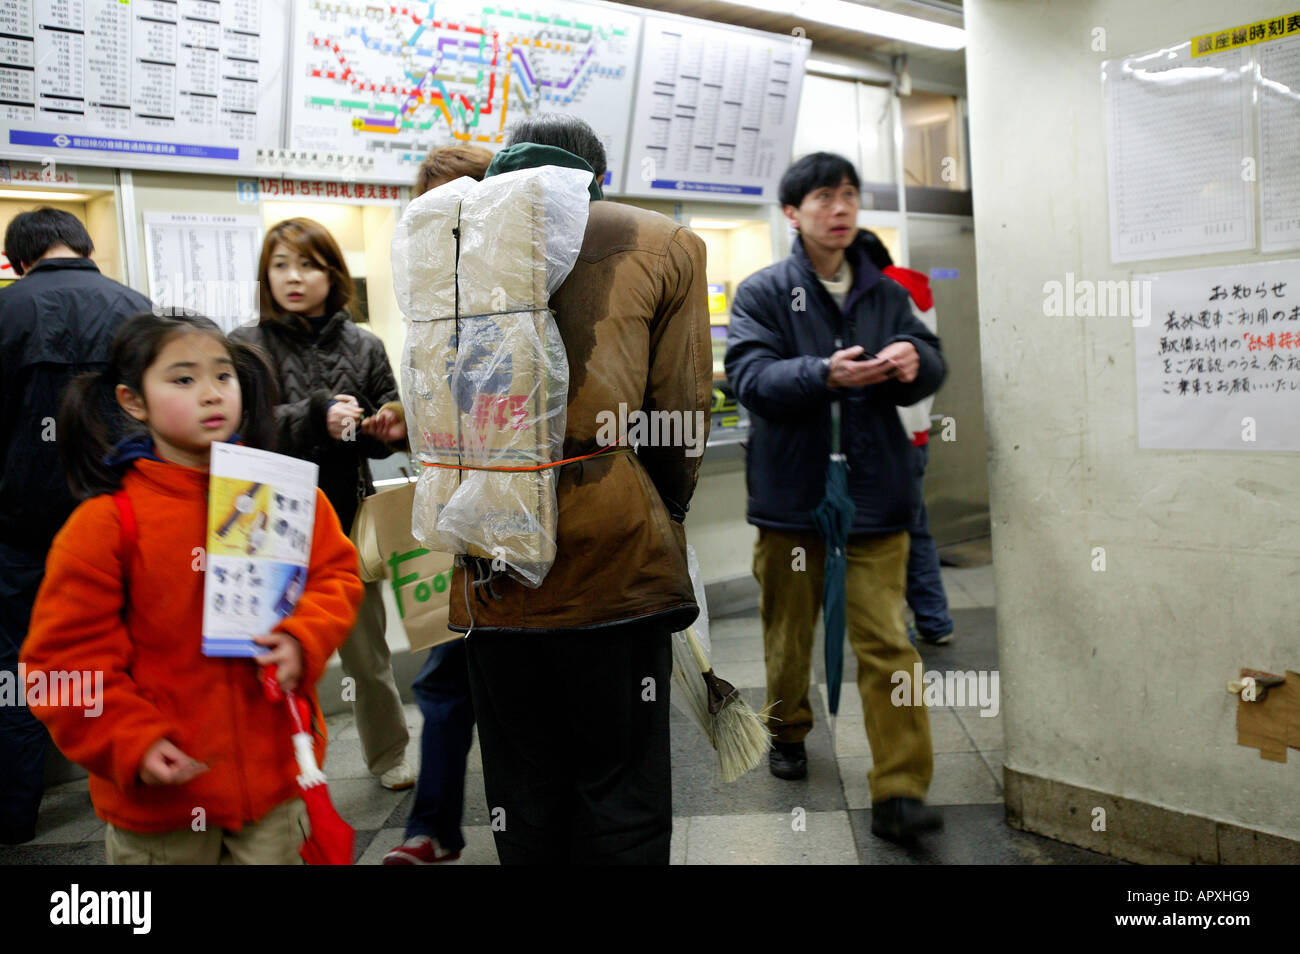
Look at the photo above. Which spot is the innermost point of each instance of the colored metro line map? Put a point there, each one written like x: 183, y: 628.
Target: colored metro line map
x: 388, y: 81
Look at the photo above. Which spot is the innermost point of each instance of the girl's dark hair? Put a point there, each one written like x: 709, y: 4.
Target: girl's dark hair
x: 91, y: 421
x: 311, y: 240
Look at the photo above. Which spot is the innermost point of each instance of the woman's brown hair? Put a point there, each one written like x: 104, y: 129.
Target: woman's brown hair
x: 311, y: 240
x: 444, y: 163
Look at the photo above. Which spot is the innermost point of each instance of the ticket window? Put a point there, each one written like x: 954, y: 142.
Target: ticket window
x: 94, y: 206
x: 932, y: 141
x: 737, y: 247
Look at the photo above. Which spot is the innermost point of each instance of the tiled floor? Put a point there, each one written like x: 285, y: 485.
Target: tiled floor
x: 824, y: 819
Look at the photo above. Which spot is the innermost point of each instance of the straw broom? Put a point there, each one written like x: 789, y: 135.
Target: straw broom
x: 735, y: 730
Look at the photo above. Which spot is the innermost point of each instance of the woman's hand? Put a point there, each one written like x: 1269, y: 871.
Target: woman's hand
x: 386, y: 427
x: 165, y: 764
x: 344, y: 409
x: 285, y: 653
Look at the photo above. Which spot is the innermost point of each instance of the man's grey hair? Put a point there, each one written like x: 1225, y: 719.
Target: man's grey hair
x: 565, y: 131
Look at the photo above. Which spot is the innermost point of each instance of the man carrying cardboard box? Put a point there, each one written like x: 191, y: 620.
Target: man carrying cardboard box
x: 571, y: 679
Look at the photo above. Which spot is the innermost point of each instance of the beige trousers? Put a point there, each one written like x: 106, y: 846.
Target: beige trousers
x: 272, y: 840
x: 788, y: 567
x: 376, y: 704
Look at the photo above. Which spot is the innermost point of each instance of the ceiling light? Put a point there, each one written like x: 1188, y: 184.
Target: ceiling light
x: 44, y: 195
x: 863, y: 19
x: 699, y: 223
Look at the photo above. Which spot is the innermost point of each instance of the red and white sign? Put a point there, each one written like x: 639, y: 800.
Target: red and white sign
x: 352, y: 193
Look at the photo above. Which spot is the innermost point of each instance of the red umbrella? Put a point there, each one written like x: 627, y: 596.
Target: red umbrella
x: 332, y: 839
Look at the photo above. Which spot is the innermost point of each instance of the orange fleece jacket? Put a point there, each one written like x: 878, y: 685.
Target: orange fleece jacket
x: 156, y: 682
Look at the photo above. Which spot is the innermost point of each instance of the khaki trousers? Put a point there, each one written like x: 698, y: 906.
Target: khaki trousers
x: 272, y: 840
x: 376, y: 704
x: 790, y: 601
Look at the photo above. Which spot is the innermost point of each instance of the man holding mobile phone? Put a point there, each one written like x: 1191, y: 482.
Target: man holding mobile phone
x: 820, y: 327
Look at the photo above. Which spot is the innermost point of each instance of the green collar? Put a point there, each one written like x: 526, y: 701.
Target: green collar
x: 530, y: 155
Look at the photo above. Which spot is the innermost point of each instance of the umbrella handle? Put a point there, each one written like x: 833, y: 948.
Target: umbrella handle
x: 304, y: 746
x: 304, y: 751
x: 271, y: 684
x: 299, y: 711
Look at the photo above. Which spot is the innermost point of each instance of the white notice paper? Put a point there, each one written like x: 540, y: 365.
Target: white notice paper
x: 1218, y: 366
x: 207, y: 263
x: 1177, y: 132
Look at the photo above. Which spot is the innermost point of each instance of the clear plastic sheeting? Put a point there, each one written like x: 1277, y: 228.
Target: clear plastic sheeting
x: 484, y: 368
x: 424, y: 283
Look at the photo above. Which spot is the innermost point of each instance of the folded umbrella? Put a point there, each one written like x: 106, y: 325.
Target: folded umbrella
x: 332, y: 839
x: 833, y: 517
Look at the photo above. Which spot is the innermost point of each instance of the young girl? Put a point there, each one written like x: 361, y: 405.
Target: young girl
x: 187, y: 757
x: 338, y: 408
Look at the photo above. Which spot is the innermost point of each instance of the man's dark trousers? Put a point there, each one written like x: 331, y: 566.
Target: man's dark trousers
x: 22, y: 737
x: 442, y: 692
x: 573, y: 726
x: 925, y: 593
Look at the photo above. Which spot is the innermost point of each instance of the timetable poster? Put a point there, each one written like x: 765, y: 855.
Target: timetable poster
x: 261, y: 512
x: 1177, y: 132
x: 204, y: 262
x: 183, y: 85
x: 715, y: 111
x: 1279, y: 144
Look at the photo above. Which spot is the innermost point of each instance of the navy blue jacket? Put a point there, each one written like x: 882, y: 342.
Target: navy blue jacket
x: 774, y: 363
x: 56, y: 321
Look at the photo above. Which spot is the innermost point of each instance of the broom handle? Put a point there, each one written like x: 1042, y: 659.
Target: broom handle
x: 693, y: 641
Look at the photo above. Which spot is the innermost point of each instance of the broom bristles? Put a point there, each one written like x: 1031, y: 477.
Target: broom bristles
x: 692, y: 697
x: 741, y: 738
x: 736, y: 732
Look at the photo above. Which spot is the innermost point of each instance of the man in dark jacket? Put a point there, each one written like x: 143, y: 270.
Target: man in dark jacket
x: 818, y: 328
x: 56, y: 322
x: 570, y: 680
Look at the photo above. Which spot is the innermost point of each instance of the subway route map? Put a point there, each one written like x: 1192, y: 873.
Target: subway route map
x: 383, y: 83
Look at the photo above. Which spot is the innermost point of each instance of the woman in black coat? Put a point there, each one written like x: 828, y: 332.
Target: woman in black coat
x: 339, y: 409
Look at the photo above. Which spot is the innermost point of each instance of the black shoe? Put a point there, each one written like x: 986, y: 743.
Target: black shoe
x: 788, y: 760
x: 900, y: 819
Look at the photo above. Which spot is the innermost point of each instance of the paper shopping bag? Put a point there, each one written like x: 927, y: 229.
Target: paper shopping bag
x: 420, y: 578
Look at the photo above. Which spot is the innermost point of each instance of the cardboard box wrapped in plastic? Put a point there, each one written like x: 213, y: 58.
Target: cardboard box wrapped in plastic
x: 484, y: 368
x: 424, y: 283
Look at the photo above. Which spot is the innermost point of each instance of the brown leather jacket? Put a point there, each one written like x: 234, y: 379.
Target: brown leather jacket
x: 634, y: 317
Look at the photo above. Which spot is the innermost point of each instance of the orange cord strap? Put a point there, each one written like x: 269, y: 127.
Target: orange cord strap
x: 613, y: 448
